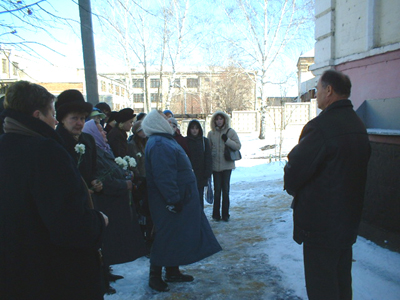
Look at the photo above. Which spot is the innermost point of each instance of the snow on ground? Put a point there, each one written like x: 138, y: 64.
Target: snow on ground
x: 259, y: 258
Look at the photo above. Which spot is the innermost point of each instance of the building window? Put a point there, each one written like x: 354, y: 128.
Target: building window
x: 138, y: 83
x: 122, y: 92
x: 192, y: 82
x: 154, y: 83
x: 15, y: 68
x: 5, y: 65
x: 111, y: 88
x: 117, y: 90
x: 155, y: 97
x: 103, y: 86
x: 177, y: 83
x: 138, y: 98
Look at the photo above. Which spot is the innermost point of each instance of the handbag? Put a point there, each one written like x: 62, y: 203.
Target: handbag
x: 230, y: 154
x: 209, y: 195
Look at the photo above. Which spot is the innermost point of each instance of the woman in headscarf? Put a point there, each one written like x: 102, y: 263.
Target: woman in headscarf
x: 182, y: 232
x: 123, y: 241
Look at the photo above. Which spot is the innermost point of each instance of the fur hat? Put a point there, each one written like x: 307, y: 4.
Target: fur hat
x: 71, y: 101
x: 124, y: 114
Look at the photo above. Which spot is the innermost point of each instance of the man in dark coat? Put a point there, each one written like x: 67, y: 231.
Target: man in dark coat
x: 72, y: 110
x: 199, y: 155
x: 49, y: 238
x: 326, y: 173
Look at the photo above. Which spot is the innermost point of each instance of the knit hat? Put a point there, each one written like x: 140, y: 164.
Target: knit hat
x: 137, y: 127
x: 167, y: 111
x: 71, y: 101
x: 124, y: 114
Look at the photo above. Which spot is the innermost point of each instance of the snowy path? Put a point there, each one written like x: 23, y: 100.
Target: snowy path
x: 240, y: 271
x: 259, y: 258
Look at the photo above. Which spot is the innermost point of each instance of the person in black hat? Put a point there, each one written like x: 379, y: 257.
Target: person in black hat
x: 71, y: 112
x: 117, y: 137
x: 49, y: 236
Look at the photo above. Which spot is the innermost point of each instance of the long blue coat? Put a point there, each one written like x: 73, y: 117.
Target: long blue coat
x: 185, y: 237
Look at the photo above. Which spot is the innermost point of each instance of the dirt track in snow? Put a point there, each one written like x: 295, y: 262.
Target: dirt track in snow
x: 241, y: 270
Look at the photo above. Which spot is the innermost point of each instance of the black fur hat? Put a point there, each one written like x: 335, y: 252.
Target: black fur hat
x: 71, y: 101
x: 124, y: 114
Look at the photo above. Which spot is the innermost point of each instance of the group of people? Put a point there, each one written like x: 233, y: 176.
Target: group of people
x: 83, y: 196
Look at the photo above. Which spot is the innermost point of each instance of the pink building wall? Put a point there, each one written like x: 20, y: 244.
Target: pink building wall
x: 374, y: 77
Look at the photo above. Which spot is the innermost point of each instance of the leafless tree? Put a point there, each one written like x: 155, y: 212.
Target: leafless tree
x: 22, y: 20
x: 232, y: 89
x: 263, y: 31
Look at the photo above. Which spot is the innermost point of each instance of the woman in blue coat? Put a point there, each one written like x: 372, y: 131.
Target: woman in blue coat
x: 182, y: 232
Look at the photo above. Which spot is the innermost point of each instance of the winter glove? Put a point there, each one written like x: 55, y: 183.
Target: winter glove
x: 175, y: 208
x: 224, y: 137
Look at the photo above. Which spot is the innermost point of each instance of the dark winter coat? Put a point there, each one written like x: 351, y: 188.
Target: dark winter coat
x: 117, y: 139
x: 218, y: 145
x: 87, y: 166
x: 199, y: 155
x: 326, y: 174
x: 123, y: 241
x: 184, y: 237
x: 182, y: 142
x: 48, y: 235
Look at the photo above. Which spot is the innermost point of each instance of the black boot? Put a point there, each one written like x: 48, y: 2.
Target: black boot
x: 173, y: 274
x: 155, y: 280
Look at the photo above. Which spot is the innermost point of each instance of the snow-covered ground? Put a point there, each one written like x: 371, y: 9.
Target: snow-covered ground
x: 259, y: 258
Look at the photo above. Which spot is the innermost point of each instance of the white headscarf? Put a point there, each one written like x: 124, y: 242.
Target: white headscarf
x: 154, y: 122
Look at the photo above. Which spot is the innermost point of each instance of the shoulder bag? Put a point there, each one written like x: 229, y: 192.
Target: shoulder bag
x: 230, y: 154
